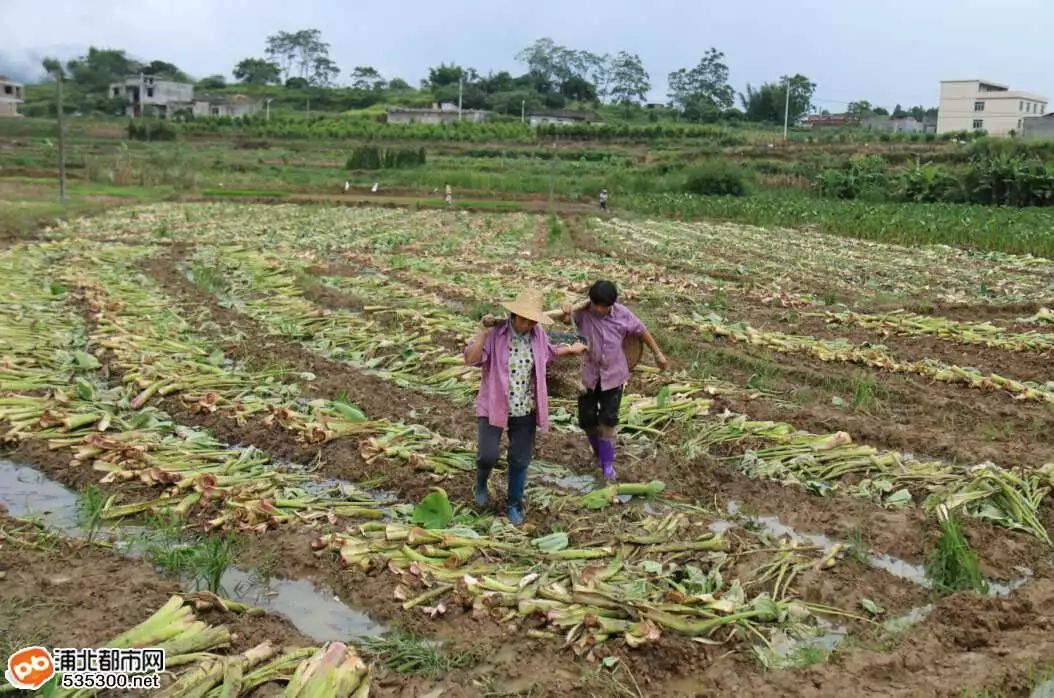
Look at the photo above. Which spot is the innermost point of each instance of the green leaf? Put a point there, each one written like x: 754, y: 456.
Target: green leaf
x: 434, y: 511
x: 552, y: 542
x: 900, y: 498
x: 663, y: 398
x: 652, y: 567
x: 350, y: 412
x: 609, y: 661
x: 216, y: 358
x: 872, y: 607
x: 85, y: 390
x: 85, y: 361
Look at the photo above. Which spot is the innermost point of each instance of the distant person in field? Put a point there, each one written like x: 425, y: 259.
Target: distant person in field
x: 603, y: 199
x: 606, y: 324
x: 449, y: 196
x: 513, y: 395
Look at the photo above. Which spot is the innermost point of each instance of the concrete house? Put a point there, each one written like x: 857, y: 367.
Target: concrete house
x: 829, y: 121
x: 146, y: 94
x: 441, y: 113
x: 564, y: 117
x: 226, y: 105
x: 982, y: 105
x: 1036, y: 128
x: 11, y: 96
x: 885, y: 124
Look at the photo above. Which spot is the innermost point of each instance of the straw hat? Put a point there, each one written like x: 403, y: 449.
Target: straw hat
x: 529, y: 305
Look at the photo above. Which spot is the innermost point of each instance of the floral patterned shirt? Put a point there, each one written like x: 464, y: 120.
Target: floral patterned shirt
x: 521, y: 375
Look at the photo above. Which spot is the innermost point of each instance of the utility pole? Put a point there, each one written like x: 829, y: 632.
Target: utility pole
x: 523, y: 110
x: 786, y: 110
x: 460, y: 86
x: 552, y: 175
x: 267, y: 105
x: 62, y: 143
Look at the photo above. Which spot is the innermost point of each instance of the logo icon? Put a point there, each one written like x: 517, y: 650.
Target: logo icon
x: 30, y: 668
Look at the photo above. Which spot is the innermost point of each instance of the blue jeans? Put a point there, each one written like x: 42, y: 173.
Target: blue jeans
x: 521, y: 448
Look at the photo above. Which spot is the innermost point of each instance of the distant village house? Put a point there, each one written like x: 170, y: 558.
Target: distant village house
x: 11, y: 96
x: 564, y: 117
x: 226, y: 105
x: 441, y: 113
x: 148, y: 95
x: 887, y: 124
x: 829, y: 120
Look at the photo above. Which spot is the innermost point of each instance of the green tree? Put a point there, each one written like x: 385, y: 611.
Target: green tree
x: 98, y: 68
x: 860, y: 109
x: 323, y: 72
x: 257, y: 71
x: 880, y: 111
x: 629, y: 81
x: 511, y: 102
x: 298, y: 53
x: 705, y: 85
x: 898, y: 112
x: 556, y: 68
x: 445, y: 74
x: 767, y: 102
x: 366, y: 77
x: 164, y: 70
x: 212, y: 82
x: 398, y: 84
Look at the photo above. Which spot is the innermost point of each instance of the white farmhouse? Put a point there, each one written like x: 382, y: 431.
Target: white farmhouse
x: 982, y: 105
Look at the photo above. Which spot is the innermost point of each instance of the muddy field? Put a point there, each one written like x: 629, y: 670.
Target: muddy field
x: 145, y: 363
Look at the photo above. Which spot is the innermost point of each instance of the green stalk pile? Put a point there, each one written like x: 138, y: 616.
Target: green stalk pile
x: 196, y: 669
x: 635, y: 584
x: 875, y: 356
x: 984, y: 333
x: 1008, y: 497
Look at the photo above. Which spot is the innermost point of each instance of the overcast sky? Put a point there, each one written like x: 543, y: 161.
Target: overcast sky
x: 885, y: 51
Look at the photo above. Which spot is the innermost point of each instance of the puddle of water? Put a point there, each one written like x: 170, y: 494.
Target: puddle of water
x: 910, y: 619
x: 900, y: 568
x: 578, y: 483
x: 1006, y: 588
x: 26, y: 492
x: 315, y: 612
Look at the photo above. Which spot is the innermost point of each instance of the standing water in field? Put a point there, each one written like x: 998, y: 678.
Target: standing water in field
x: 28, y: 493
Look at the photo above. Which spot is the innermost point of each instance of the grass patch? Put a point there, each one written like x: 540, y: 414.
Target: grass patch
x: 952, y: 565
x: 89, y: 510
x: 405, y: 653
x: 865, y: 391
x: 856, y: 548
x: 200, y: 561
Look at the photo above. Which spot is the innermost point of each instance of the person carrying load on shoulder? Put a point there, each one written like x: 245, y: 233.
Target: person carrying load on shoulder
x: 611, y: 331
x: 513, y: 394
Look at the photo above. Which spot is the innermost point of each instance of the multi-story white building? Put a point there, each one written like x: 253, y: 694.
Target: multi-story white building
x: 10, y: 97
x: 981, y: 105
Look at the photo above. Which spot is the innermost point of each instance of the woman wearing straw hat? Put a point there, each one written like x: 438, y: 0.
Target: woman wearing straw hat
x: 512, y: 393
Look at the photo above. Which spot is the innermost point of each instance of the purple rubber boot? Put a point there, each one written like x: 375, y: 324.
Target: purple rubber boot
x: 606, y: 451
x: 594, y: 442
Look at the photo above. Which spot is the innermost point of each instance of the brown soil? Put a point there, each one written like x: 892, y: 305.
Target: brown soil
x: 76, y: 595
x: 967, y: 645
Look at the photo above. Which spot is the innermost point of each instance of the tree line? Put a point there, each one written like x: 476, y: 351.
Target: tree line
x: 555, y: 76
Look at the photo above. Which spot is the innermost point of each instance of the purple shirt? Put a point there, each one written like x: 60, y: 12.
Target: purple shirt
x: 493, y: 399
x: 606, y: 361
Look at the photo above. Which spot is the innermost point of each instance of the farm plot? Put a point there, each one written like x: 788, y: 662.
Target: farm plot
x: 287, y: 381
